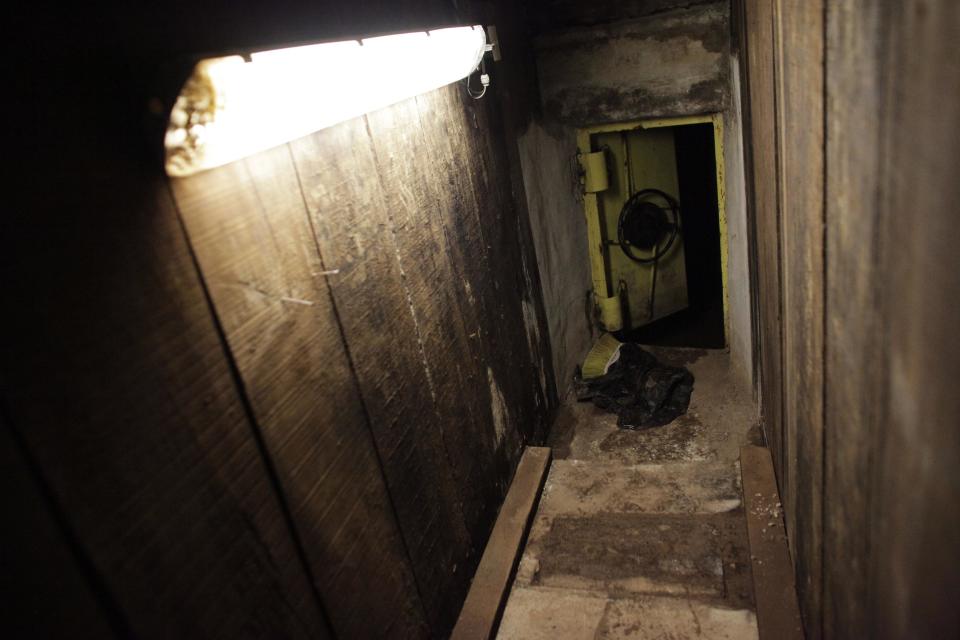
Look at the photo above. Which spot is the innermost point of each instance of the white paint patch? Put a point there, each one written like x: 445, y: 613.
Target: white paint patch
x: 499, y: 410
x: 721, y: 506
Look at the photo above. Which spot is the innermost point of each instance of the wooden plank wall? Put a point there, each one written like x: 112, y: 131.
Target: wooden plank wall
x: 253, y: 242
x: 915, y: 569
x: 39, y: 548
x: 863, y: 425
x: 759, y: 101
x: 283, y: 398
x: 854, y: 355
x: 799, y: 30
x: 115, y: 382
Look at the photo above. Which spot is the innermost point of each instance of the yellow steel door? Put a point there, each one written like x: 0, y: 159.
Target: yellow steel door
x: 639, y: 159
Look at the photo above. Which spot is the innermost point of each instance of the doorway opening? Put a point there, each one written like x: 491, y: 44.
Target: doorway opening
x: 654, y: 203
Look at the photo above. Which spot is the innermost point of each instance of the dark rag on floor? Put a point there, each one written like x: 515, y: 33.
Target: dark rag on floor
x: 641, y: 390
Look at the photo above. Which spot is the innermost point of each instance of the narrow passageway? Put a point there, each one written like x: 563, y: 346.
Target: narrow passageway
x: 297, y: 294
x: 642, y: 533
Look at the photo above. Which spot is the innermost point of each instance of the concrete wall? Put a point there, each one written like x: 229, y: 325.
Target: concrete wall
x: 666, y: 64
x: 595, y: 67
x: 548, y: 157
x: 557, y: 14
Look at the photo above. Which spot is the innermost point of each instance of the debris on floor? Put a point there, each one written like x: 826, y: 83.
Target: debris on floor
x: 641, y: 390
x: 643, y: 533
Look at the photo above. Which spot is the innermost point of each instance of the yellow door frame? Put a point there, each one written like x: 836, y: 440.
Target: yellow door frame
x: 602, y: 288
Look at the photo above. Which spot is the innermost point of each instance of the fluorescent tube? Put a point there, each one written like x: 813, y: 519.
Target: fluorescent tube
x: 231, y: 108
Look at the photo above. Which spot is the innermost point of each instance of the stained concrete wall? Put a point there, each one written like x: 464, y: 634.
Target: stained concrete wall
x: 548, y: 156
x: 602, y: 63
x: 558, y: 14
x: 665, y: 64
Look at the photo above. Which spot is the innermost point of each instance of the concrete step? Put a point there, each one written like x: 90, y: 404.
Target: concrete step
x: 621, y: 554
x: 538, y: 613
x: 613, y: 529
x: 583, y: 487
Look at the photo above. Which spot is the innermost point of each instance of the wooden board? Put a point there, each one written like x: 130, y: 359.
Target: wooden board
x: 915, y: 567
x: 508, y: 275
x: 439, y: 295
x: 47, y: 583
x: 800, y: 53
x: 250, y: 229
x: 348, y: 209
x: 778, y: 616
x: 117, y: 381
x: 762, y: 150
x: 854, y: 346
x: 488, y: 593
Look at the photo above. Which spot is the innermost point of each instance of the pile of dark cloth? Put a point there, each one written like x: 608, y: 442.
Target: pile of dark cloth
x: 642, y: 391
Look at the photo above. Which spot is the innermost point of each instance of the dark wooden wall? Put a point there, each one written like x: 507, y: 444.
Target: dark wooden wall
x: 854, y: 137
x: 282, y: 398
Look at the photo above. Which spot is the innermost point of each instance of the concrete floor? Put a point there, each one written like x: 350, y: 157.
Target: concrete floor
x: 642, y: 534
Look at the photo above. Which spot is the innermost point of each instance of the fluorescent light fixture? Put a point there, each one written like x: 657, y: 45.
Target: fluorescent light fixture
x: 232, y: 107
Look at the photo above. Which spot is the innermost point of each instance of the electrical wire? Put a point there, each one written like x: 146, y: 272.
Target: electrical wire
x: 484, y: 80
x: 476, y: 96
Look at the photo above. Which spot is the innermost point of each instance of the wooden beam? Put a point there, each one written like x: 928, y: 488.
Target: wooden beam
x: 856, y: 275
x: 801, y: 163
x: 778, y: 615
x: 763, y: 142
x: 481, y: 612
